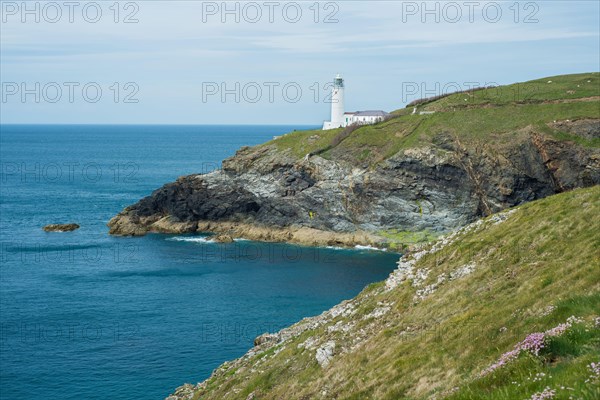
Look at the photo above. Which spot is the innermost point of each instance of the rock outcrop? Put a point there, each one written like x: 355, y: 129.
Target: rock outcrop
x: 60, y: 227
x: 223, y: 238
x: 266, y: 193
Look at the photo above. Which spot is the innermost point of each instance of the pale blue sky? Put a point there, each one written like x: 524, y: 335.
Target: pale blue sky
x: 380, y: 48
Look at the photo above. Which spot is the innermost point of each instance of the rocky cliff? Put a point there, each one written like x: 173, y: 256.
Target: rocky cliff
x: 417, y: 173
x: 503, y: 308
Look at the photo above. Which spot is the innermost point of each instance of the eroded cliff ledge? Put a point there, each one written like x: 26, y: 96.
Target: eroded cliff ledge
x: 266, y: 193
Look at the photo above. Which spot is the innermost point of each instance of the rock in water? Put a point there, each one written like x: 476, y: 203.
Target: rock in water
x: 223, y: 239
x: 60, y: 227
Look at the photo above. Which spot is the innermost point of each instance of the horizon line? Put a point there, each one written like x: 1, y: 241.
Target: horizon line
x: 153, y: 124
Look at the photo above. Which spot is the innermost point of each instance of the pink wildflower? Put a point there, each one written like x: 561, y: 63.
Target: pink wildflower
x: 533, y: 343
x: 595, y: 370
x: 547, y: 393
x: 558, y: 330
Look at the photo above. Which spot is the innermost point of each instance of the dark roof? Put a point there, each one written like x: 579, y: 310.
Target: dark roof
x: 371, y: 113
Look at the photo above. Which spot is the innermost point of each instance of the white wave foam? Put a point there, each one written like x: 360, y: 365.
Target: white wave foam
x: 191, y: 239
x: 361, y: 247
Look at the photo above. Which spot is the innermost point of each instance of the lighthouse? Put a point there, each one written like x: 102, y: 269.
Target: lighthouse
x: 337, y: 105
x: 337, y: 101
x: 340, y: 119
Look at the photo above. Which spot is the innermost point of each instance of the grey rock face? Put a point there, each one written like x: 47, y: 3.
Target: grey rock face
x: 585, y: 128
x: 266, y: 338
x: 436, y: 187
x: 325, y: 353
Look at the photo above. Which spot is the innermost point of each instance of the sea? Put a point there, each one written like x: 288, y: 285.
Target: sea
x: 85, y: 315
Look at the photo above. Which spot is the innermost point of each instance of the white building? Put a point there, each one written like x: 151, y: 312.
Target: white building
x: 364, y: 117
x: 340, y: 119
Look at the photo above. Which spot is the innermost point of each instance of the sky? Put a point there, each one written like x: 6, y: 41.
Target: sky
x: 272, y: 62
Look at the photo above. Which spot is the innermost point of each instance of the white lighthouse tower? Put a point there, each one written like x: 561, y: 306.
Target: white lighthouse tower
x: 337, y: 105
x: 337, y: 101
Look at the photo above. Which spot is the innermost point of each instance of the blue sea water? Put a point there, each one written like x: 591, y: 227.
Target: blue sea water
x: 84, y: 315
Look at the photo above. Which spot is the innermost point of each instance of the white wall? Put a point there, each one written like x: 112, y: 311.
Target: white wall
x: 337, y: 104
x: 366, y: 120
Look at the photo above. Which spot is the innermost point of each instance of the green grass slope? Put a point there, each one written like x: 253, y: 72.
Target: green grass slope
x: 457, y: 308
x: 495, y: 115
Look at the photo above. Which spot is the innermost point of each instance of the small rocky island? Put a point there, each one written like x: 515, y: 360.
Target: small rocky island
x: 60, y: 227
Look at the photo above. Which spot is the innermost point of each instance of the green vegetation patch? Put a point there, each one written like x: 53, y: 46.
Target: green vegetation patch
x: 303, y: 142
x: 495, y: 115
x: 563, y: 87
x: 401, y: 240
x: 527, y: 275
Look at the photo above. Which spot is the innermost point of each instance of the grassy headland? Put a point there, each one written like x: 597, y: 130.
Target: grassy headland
x: 492, y: 116
x: 459, y: 306
x: 507, y: 307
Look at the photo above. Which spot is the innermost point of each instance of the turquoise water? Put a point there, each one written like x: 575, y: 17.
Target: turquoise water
x: 88, y: 316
